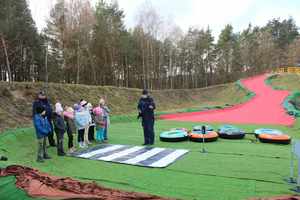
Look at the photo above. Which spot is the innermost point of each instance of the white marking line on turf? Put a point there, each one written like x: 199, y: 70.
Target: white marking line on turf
x: 120, y: 154
x: 168, y: 159
x: 144, y: 156
x: 99, y: 151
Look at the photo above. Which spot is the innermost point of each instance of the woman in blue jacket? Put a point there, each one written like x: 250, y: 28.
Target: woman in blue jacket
x: 42, y: 129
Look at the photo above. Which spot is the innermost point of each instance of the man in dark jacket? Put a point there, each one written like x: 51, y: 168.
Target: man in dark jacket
x: 146, y: 107
x: 42, y: 101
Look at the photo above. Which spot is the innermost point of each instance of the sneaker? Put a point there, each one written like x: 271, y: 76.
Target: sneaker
x: 71, y: 150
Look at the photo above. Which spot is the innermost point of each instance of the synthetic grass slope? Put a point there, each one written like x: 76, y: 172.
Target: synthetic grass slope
x: 232, y: 169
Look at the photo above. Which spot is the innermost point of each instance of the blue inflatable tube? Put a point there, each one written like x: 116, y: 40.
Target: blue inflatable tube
x: 173, y: 136
x: 230, y: 132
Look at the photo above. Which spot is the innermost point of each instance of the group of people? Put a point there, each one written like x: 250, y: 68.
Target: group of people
x: 82, y: 118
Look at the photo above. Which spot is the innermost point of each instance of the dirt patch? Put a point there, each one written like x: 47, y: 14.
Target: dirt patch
x: 287, y: 197
x: 38, y: 184
x: 16, y: 102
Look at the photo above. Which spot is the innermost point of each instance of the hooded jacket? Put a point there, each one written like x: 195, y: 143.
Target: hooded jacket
x: 41, y: 125
x: 45, y: 104
x: 82, y: 119
x: 59, y: 123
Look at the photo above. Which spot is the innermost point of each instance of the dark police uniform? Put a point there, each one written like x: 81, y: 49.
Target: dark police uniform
x: 146, y: 108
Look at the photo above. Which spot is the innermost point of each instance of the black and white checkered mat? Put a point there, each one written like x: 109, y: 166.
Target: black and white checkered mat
x: 132, y: 155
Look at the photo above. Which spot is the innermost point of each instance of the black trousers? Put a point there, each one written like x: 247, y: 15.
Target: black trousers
x: 70, y: 139
x: 60, y: 142
x: 51, y: 135
x: 80, y: 135
x: 148, y: 126
x: 91, y: 134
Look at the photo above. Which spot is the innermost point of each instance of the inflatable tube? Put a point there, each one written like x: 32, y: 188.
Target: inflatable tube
x: 230, y: 132
x: 277, y: 139
x: 267, y: 131
x: 199, y: 127
x: 208, y: 137
x: 179, y: 129
x: 173, y: 136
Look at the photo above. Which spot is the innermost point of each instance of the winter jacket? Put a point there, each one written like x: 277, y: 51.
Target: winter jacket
x: 59, y: 123
x: 92, y: 118
x: 41, y: 125
x: 106, y: 112
x: 82, y: 119
x: 71, y: 128
x: 146, y: 107
x: 45, y: 104
x: 99, y: 121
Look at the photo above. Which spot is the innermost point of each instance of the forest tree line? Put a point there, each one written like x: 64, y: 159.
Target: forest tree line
x: 85, y: 44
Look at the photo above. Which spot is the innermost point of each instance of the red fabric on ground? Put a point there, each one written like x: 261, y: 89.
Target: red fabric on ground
x: 38, y: 184
x: 287, y: 197
x: 264, y: 108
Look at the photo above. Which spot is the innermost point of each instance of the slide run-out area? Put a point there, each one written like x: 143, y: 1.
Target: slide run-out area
x: 264, y: 108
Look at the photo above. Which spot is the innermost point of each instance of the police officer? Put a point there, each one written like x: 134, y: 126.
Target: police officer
x: 146, y: 107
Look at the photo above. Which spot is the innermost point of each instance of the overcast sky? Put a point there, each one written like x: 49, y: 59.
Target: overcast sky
x: 197, y: 13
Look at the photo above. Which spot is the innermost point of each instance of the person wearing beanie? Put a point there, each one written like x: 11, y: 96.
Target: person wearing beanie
x: 146, y: 107
x: 70, y: 125
x: 100, y: 123
x: 106, y: 111
x: 43, y: 101
x: 82, y: 119
x: 60, y: 128
x: 87, y: 113
x: 91, y: 130
x: 42, y: 129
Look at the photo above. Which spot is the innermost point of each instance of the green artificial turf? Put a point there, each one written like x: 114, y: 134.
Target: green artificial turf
x: 9, y: 191
x: 232, y: 169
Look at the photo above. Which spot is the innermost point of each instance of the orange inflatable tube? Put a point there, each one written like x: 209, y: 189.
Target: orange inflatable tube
x: 208, y: 137
x: 279, y: 139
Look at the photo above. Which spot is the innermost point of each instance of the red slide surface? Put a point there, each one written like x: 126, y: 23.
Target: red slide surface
x: 264, y: 108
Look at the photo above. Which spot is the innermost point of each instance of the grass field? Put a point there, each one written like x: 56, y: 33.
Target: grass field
x: 232, y: 169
